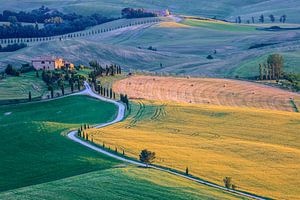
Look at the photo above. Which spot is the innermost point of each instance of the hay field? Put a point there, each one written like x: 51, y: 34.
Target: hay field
x: 206, y: 91
x: 259, y: 149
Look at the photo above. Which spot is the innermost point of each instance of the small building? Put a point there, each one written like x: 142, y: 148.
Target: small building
x: 51, y: 63
x: 160, y: 13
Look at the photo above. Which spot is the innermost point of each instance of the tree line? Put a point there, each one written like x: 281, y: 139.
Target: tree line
x: 272, y: 69
x: 130, y: 13
x: 12, y: 47
x: 55, y: 23
x: 57, y: 79
x: 262, y: 19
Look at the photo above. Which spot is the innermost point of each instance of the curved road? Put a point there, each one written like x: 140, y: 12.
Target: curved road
x: 121, y: 113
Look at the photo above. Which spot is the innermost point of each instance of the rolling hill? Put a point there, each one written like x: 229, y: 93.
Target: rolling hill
x: 225, y: 9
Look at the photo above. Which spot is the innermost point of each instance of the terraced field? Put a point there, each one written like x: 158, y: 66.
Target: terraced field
x: 258, y: 148
x: 210, y: 91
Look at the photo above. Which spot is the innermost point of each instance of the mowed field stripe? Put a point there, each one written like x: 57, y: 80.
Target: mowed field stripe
x: 210, y: 91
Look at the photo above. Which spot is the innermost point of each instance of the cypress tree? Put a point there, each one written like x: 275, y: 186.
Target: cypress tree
x: 116, y: 150
x: 29, y: 95
x: 261, y: 73
x: 72, y: 87
x: 84, y: 126
x: 187, y: 171
x: 123, y: 152
x: 114, y: 95
x: 111, y: 93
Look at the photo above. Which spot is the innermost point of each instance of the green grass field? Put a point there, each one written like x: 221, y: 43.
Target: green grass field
x: 119, y: 183
x: 39, y: 162
x: 220, y: 26
x: 19, y: 87
x: 34, y: 151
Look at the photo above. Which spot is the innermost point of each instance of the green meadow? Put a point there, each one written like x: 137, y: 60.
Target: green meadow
x: 19, y: 87
x: 34, y: 151
x: 119, y: 183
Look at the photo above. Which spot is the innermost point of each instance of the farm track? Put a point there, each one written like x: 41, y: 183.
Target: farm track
x: 138, y: 115
x: 121, y: 114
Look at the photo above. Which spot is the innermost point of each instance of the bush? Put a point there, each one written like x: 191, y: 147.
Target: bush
x: 227, y: 182
x: 10, y: 70
x: 147, y: 157
x: 209, y: 57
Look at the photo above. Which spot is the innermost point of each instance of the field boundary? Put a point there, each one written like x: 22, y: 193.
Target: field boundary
x: 121, y: 114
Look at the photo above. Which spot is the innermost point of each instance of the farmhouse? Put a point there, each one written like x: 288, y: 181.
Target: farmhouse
x: 51, y: 63
x: 160, y: 13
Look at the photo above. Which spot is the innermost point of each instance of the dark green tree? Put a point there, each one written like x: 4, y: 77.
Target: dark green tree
x: 29, y: 96
x: 147, y: 157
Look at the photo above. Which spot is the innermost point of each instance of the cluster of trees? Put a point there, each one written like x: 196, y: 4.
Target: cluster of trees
x: 293, y: 81
x: 12, y: 47
x: 124, y: 99
x: 228, y: 183
x: 130, y: 13
x: 262, y: 19
x: 82, y: 134
x: 109, y: 93
x: 98, y: 70
x: 57, y: 79
x: 55, y: 23
x: 10, y: 70
x: 273, y: 69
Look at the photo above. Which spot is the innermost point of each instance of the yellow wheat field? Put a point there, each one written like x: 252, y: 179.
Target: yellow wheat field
x: 259, y: 149
x: 172, y: 25
x: 207, y: 91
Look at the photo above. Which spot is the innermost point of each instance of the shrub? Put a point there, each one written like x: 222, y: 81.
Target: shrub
x: 227, y: 182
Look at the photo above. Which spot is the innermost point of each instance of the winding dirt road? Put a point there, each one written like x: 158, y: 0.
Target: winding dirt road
x: 121, y: 113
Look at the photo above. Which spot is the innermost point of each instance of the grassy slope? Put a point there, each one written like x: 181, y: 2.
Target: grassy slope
x: 220, y: 26
x: 119, y: 183
x: 259, y: 149
x: 19, y: 87
x: 34, y: 151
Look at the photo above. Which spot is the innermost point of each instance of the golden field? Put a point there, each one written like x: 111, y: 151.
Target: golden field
x: 210, y: 91
x: 258, y: 148
x: 172, y: 25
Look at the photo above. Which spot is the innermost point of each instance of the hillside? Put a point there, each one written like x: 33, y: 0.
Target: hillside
x: 118, y: 183
x: 209, y: 91
x: 258, y: 149
x: 228, y: 9
x: 33, y: 149
x: 180, y: 49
